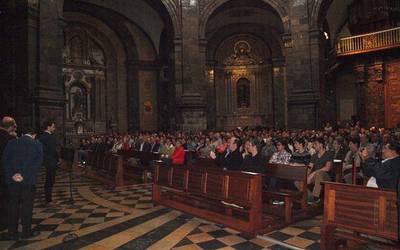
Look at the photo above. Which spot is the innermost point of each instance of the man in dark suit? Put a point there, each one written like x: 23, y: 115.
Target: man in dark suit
x: 386, y: 173
x: 145, y: 146
x: 7, y: 131
x: 50, y: 158
x: 155, y: 146
x: 21, y: 161
x: 231, y: 158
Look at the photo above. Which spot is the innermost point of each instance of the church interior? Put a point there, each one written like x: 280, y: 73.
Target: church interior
x: 151, y: 98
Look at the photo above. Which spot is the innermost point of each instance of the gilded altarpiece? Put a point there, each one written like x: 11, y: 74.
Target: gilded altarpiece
x: 243, y: 89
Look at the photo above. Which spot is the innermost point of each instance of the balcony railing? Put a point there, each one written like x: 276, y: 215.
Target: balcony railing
x: 380, y: 40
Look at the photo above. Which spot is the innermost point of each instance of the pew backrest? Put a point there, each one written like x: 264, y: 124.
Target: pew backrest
x: 361, y: 209
x: 234, y: 187
x: 287, y: 172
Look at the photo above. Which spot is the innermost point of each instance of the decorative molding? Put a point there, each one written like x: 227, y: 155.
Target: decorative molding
x: 287, y: 40
x: 359, y: 71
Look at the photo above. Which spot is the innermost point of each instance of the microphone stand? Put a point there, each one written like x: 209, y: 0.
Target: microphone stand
x: 70, y: 162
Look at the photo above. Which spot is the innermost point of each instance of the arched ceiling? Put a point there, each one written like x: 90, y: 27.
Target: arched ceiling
x: 253, y: 17
x: 239, y: 11
x: 144, y: 13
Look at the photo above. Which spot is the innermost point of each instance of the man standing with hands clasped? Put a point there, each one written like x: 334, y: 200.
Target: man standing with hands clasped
x: 22, y: 158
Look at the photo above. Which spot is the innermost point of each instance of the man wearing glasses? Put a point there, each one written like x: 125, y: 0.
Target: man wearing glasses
x: 386, y: 173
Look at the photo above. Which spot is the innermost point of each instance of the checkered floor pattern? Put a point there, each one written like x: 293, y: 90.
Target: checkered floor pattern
x: 305, y: 234
x: 138, y: 197
x: 212, y: 236
x: 65, y: 217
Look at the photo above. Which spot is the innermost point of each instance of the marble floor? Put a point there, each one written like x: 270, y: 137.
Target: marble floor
x: 127, y: 219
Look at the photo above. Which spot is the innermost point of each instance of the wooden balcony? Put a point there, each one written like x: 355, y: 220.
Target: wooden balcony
x: 385, y: 39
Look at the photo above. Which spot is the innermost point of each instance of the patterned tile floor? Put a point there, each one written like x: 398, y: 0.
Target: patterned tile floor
x: 128, y: 219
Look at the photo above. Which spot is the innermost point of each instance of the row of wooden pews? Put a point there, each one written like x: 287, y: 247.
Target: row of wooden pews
x: 126, y: 168
x: 228, y: 197
x: 117, y: 170
x: 355, y: 215
x: 107, y: 168
x: 233, y: 198
x: 138, y: 166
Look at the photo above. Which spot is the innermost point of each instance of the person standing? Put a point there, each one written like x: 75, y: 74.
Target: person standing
x: 8, y: 128
x: 50, y: 158
x: 22, y: 158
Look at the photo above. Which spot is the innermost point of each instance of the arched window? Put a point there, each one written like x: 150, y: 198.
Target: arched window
x: 243, y: 93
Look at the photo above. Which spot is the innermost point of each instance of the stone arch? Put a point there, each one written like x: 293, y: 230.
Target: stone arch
x: 172, y: 9
x: 320, y: 8
x: 212, y: 6
x: 274, y: 43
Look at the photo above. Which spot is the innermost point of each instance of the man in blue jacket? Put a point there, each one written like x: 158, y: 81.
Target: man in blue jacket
x: 50, y: 158
x: 22, y: 158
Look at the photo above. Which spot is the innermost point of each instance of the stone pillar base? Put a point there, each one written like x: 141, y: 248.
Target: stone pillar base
x: 192, y: 113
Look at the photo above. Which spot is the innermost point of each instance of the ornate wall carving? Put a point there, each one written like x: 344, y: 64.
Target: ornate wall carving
x: 84, y: 73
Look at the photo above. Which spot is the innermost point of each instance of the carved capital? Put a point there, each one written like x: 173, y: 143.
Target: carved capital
x: 375, y: 72
x: 287, y: 40
x: 359, y: 71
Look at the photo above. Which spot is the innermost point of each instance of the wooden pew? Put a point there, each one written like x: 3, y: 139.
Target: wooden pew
x: 338, y: 170
x: 290, y: 173
x: 351, y: 210
x: 107, y: 168
x: 231, y: 198
x: 206, y: 162
x: 143, y: 166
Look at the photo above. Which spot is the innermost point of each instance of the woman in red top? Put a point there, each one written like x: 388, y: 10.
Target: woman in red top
x: 125, y: 143
x: 178, y: 156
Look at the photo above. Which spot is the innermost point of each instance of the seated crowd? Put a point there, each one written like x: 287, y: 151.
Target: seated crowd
x: 250, y: 150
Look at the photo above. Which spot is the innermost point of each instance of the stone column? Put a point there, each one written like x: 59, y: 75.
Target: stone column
x: 50, y: 99
x: 192, y: 105
x: 279, y: 93
x: 211, y: 96
x: 133, y: 96
x: 33, y: 74
x: 303, y: 87
x: 18, y: 59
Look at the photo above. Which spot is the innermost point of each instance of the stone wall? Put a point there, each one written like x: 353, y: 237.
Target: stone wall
x: 293, y: 81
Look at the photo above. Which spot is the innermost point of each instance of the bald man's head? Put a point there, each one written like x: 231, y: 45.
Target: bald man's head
x: 8, y: 123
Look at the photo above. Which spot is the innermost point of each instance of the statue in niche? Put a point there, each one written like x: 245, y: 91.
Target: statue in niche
x: 243, y: 93
x: 78, y: 103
